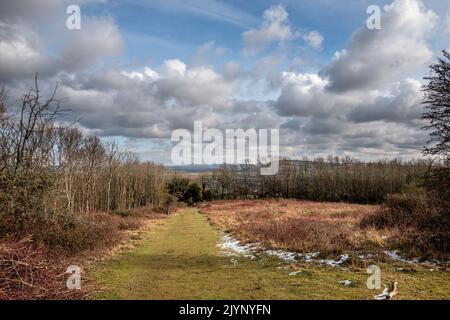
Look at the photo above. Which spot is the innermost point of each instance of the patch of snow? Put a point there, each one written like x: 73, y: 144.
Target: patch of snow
x: 232, y: 247
x: 282, y: 255
x: 394, y: 256
x: 345, y: 282
x: 294, y: 273
x: 335, y: 263
x: 309, y: 257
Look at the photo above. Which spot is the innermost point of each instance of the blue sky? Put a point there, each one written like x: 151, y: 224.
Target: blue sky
x: 137, y: 70
x: 157, y: 30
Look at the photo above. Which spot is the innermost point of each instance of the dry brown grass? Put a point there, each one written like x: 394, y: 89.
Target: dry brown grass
x: 28, y: 271
x: 302, y: 226
x: 33, y: 267
x: 419, y: 226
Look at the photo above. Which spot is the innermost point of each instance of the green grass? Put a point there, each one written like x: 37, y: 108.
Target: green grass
x: 180, y: 260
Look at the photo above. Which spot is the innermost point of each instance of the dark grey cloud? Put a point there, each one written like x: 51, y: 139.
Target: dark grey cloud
x: 403, y: 105
x: 27, y: 12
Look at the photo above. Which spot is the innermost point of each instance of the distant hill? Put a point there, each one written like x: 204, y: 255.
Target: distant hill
x: 201, y: 168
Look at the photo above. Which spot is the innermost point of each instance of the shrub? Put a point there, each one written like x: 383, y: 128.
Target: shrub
x: 28, y: 272
x: 194, y: 193
x: 406, y: 209
x: 420, y: 221
x: 208, y: 195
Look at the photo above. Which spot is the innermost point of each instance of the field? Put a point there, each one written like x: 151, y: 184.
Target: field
x: 303, y: 226
x: 185, y: 258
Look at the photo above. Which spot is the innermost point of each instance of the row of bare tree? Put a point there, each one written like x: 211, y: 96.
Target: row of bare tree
x: 46, y: 167
x: 94, y: 176
x: 332, y: 179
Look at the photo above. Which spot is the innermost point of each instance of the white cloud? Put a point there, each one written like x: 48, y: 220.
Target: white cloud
x: 373, y: 57
x: 173, y: 68
x: 402, y: 104
x: 447, y: 22
x: 98, y: 38
x: 21, y: 53
x: 306, y: 95
x: 193, y: 86
x: 274, y: 28
x: 232, y: 70
x: 313, y: 39
x: 364, y: 103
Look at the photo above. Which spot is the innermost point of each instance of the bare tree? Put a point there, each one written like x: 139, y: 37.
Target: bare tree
x: 437, y: 104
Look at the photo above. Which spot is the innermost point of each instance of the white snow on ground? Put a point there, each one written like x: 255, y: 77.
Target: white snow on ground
x: 282, y: 255
x: 232, y: 247
x: 294, y: 273
x: 309, y: 257
x: 335, y: 263
x: 395, y: 256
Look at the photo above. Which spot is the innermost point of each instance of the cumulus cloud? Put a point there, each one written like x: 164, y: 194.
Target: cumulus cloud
x: 192, y: 86
x: 232, y: 70
x: 365, y: 102
x: 447, y: 22
x: 374, y: 56
x: 353, y: 120
x: 173, y: 68
x: 313, y: 39
x: 274, y: 28
x: 306, y: 94
x: 145, y: 103
x: 401, y: 104
x: 21, y: 53
x: 27, y: 12
x: 98, y: 38
x: 24, y: 48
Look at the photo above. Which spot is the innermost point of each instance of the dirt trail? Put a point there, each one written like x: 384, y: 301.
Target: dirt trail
x: 181, y: 260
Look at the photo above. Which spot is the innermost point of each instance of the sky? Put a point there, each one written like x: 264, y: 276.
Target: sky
x: 137, y: 70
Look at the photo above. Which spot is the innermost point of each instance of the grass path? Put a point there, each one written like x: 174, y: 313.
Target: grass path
x: 180, y: 260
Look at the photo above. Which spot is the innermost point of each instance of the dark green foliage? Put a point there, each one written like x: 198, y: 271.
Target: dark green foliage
x: 178, y: 187
x: 193, y: 194
x: 207, y: 195
x: 184, y: 190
